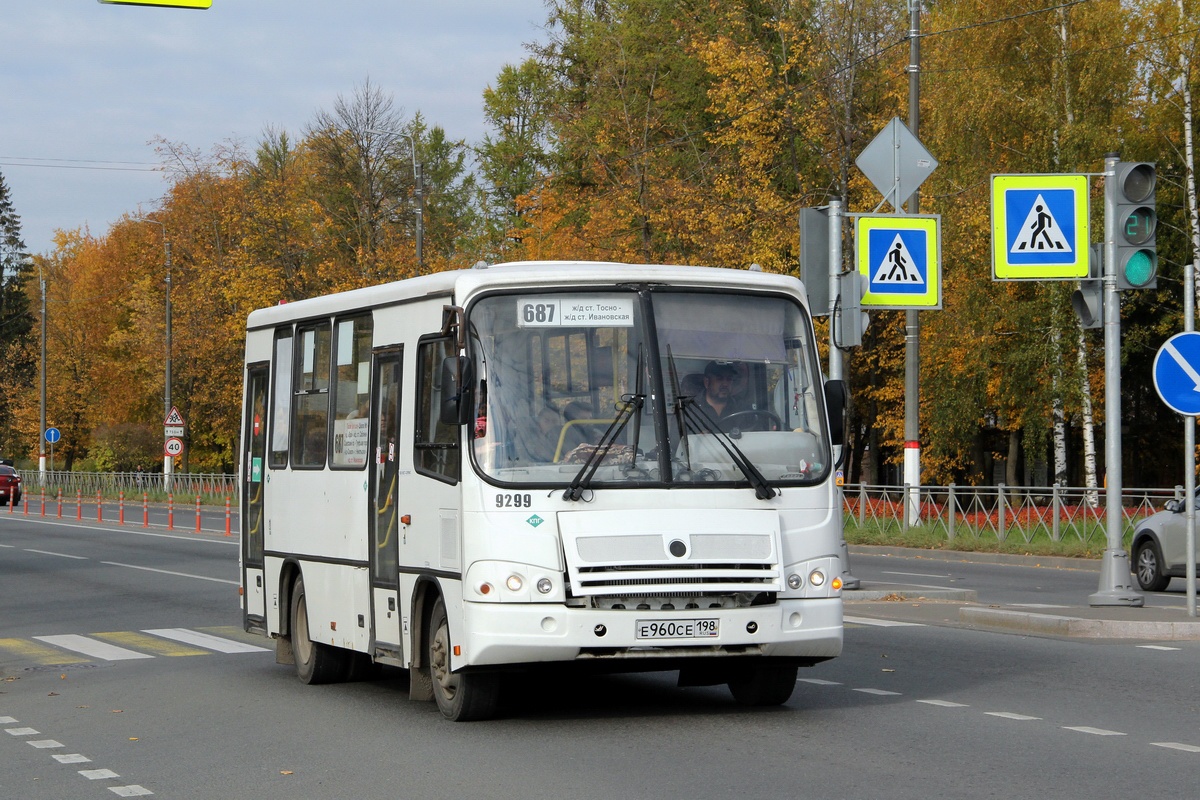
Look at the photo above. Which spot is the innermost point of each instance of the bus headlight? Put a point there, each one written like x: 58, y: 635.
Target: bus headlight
x: 795, y: 581
x: 544, y: 585
x: 514, y: 583
x: 816, y: 577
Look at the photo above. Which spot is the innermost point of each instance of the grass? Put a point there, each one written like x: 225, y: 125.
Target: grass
x: 1076, y: 541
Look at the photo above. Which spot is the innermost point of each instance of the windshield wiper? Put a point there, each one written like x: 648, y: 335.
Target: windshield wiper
x: 631, y: 406
x: 693, y: 413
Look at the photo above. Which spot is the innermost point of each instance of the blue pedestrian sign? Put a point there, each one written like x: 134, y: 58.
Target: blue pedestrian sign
x: 1177, y: 373
x: 900, y: 257
x: 53, y: 435
x: 1040, y: 227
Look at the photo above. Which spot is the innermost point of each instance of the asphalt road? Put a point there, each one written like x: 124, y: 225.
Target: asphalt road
x: 908, y: 711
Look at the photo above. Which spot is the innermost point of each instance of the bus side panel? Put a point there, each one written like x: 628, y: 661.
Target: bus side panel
x: 339, y: 604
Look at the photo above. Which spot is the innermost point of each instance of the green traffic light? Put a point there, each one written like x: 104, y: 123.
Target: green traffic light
x: 1140, y: 268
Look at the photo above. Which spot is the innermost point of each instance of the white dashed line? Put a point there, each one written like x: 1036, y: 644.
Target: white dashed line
x: 45, y: 744
x: 1157, y: 647
x: 60, y: 555
x: 1093, y: 731
x: 7, y: 720
x: 130, y: 791
x: 168, y: 572
x: 1187, y: 748
x: 879, y: 692
x: 72, y: 758
x: 813, y: 681
x: 98, y: 774
x: 91, y: 647
x: 943, y: 704
x: 1010, y: 715
x: 20, y: 731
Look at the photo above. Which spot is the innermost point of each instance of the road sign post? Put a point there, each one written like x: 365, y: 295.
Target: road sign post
x: 1040, y: 227
x: 1177, y: 380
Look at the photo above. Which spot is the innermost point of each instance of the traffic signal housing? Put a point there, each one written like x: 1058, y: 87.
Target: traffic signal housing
x: 851, y: 321
x: 1088, y: 299
x: 1130, y: 195
x: 814, y: 258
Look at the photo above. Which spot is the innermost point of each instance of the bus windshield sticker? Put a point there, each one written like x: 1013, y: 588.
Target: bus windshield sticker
x: 586, y: 311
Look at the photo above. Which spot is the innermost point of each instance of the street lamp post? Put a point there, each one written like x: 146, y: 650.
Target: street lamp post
x: 418, y: 192
x: 168, y: 461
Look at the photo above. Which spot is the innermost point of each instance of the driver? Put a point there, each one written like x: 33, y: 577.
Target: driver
x: 718, y: 400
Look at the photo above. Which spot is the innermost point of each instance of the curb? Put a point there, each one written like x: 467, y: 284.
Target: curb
x: 1050, y: 562
x: 1076, y: 627
x: 899, y: 594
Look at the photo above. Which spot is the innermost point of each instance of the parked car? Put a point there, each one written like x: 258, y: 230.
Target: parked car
x: 10, y: 486
x: 1159, y: 550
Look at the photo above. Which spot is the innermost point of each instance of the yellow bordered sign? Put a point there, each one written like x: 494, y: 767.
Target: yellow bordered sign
x: 900, y: 256
x: 1040, y: 227
x: 163, y: 3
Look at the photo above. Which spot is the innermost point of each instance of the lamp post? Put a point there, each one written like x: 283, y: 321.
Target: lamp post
x: 168, y: 461
x: 417, y: 191
x: 28, y: 260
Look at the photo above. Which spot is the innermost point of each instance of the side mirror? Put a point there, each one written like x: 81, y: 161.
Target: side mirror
x: 457, y: 382
x: 1174, y: 506
x: 837, y: 398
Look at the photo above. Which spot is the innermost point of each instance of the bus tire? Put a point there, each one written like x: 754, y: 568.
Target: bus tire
x: 461, y: 697
x: 764, y: 685
x: 315, y: 662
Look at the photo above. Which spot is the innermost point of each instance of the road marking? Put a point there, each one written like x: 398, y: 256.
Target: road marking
x: 8, y: 720
x: 20, y: 731
x: 130, y: 791
x: 150, y: 644
x: 944, y: 703
x: 206, y: 640
x: 1010, y: 715
x: 60, y: 555
x: 881, y: 623
x: 915, y: 574
x: 38, y: 653
x: 98, y: 774
x: 168, y: 572
x: 1187, y: 748
x: 1037, y: 605
x: 45, y: 744
x: 72, y: 758
x: 91, y: 647
x: 1157, y: 647
x: 813, y: 681
x: 1093, y: 731
x: 230, y: 542
x: 879, y: 692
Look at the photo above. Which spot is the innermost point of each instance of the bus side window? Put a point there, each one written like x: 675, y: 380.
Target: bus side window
x: 436, y: 443
x: 310, y: 414
x: 281, y: 399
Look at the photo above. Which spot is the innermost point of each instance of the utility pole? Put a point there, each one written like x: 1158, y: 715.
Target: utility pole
x: 912, y: 324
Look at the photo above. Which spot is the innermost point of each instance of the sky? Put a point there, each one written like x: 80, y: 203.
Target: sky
x: 85, y: 87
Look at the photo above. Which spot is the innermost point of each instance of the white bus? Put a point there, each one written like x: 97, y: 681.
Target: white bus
x: 619, y: 467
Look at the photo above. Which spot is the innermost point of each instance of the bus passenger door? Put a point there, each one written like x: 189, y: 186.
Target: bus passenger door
x: 384, y: 518
x: 254, y: 457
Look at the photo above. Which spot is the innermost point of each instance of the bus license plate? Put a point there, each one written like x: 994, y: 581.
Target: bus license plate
x: 677, y: 629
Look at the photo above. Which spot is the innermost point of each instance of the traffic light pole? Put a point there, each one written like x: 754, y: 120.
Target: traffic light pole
x: 1116, y: 586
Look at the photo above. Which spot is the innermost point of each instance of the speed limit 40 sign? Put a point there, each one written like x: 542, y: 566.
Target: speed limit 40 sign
x: 173, y: 446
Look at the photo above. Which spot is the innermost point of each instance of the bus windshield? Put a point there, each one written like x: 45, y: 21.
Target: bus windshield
x: 646, y: 386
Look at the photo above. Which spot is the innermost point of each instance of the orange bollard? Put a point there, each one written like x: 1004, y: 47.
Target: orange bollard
x: 121, y: 507
x: 227, y: 533
x: 99, y: 509
x: 197, y: 513
x: 25, y: 504
x: 43, y: 501
x: 79, y: 504
x: 60, y: 502
x: 170, y: 511
x: 145, y: 509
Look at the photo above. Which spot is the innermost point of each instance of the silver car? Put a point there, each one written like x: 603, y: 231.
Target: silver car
x: 1159, y: 550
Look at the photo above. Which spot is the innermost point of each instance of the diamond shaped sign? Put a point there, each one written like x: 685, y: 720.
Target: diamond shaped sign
x: 896, y: 162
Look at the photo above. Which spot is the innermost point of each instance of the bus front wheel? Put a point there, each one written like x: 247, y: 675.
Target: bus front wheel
x: 315, y: 662
x: 764, y: 685
x: 461, y: 697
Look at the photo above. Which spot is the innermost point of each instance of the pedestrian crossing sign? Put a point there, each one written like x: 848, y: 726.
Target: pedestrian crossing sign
x: 900, y: 257
x: 1040, y: 227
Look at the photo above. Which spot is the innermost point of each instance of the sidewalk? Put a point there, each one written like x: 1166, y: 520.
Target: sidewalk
x: 902, y: 604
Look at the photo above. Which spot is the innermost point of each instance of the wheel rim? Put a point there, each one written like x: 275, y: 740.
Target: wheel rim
x: 439, y: 662
x: 301, y: 643
x: 1147, y: 566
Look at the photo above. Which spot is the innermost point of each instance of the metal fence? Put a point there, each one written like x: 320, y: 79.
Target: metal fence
x: 999, y: 512
x: 211, y: 488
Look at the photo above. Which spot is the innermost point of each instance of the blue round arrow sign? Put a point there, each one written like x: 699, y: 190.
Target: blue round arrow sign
x: 53, y: 435
x: 1177, y: 373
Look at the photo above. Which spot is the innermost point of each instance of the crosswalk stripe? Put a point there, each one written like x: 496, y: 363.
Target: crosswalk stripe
x: 38, y: 653
x: 205, y: 640
x: 151, y: 644
x: 92, y: 647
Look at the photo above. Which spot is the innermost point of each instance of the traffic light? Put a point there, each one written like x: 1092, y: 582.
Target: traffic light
x: 851, y: 321
x: 1130, y: 197
x: 1088, y: 299
x: 814, y: 258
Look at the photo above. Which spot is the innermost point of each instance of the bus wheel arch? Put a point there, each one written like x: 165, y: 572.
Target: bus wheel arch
x: 420, y: 686
x: 316, y: 662
x: 461, y: 696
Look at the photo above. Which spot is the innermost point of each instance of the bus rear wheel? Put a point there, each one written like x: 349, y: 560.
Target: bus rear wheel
x: 315, y: 662
x: 764, y: 685
x: 461, y: 697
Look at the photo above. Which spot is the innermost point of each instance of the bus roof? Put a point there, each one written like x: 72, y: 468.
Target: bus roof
x: 534, y: 274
